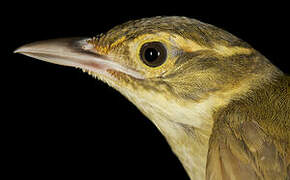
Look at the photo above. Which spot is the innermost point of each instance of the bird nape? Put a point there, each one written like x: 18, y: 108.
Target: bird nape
x: 221, y: 105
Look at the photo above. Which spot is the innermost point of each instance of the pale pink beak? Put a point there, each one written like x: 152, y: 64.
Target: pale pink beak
x: 74, y: 52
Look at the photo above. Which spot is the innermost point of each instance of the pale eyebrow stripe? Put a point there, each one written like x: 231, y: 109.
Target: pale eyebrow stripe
x: 188, y: 45
x: 227, y: 51
x: 118, y: 41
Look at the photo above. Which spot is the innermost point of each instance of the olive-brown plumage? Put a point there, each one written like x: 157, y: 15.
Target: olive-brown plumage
x: 221, y: 105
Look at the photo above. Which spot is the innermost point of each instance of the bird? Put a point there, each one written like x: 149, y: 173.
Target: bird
x: 222, y: 106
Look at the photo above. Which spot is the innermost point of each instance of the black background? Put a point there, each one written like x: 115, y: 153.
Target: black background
x: 60, y: 122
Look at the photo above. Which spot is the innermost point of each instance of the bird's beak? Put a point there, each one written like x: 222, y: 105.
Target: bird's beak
x: 74, y: 52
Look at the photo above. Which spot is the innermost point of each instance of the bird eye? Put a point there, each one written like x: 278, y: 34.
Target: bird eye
x: 153, y: 54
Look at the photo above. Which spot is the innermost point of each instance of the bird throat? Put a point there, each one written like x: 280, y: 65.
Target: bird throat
x: 186, y: 126
x: 190, y: 145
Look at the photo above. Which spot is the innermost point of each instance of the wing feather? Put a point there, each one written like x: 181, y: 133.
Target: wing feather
x: 245, y: 153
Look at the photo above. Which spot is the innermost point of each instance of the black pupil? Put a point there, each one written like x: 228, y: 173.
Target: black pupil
x: 151, y: 54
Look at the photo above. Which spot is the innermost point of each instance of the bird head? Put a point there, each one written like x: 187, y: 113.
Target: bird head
x: 164, y: 65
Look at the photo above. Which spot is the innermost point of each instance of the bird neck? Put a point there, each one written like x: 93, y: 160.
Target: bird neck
x: 190, y: 145
x: 186, y: 125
